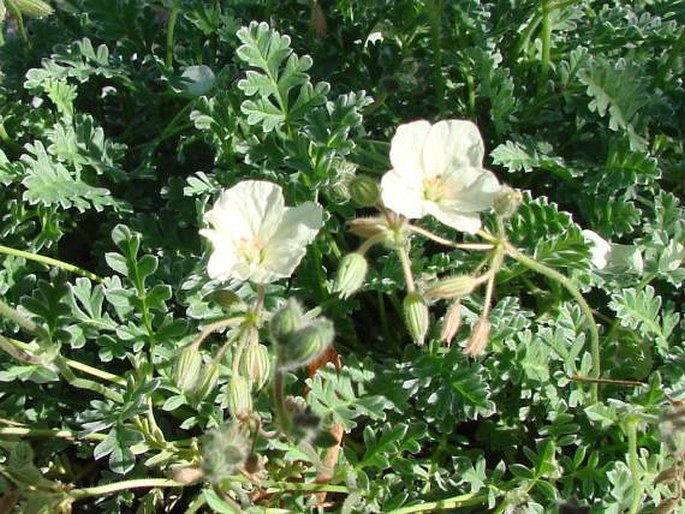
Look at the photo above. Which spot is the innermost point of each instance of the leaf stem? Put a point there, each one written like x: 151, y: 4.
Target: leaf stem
x: 48, y: 432
x: 80, y: 366
x: 463, y: 500
x: 50, y: 262
x: 115, y: 487
x: 587, y: 311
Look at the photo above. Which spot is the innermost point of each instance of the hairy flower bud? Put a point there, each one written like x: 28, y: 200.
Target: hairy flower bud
x: 239, y: 398
x: 305, y: 345
x: 451, y: 322
x: 33, y: 8
x: 507, y: 201
x: 224, y: 450
x: 256, y: 364
x: 351, y: 275
x: 187, y: 369
x: 416, y: 317
x: 369, y: 227
x: 287, y: 320
x: 478, y: 339
x: 453, y: 287
x: 364, y: 190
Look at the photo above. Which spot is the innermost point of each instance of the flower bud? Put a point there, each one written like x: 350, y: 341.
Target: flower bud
x: 478, y: 339
x: 368, y: 227
x: 224, y: 450
x: 507, y: 201
x: 239, y: 397
x: 210, y: 376
x: 255, y: 364
x: 33, y: 8
x: 351, y: 275
x: 451, y: 322
x: 453, y: 287
x: 364, y: 190
x: 306, y: 345
x: 416, y: 317
x: 286, y: 321
x: 187, y: 369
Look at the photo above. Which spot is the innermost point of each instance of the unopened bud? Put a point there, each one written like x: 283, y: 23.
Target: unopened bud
x: 369, y: 227
x: 33, y: 8
x: 256, y: 365
x: 507, y: 201
x: 416, y: 317
x: 453, y: 287
x: 306, y: 345
x: 351, y: 275
x: 187, y: 369
x: 239, y: 397
x: 210, y: 377
x: 451, y: 322
x: 364, y: 190
x: 478, y: 339
x: 287, y: 320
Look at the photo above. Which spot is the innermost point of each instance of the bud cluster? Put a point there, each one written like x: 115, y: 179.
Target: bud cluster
x: 298, y: 341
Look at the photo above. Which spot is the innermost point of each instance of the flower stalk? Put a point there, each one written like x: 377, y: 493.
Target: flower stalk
x: 573, y: 290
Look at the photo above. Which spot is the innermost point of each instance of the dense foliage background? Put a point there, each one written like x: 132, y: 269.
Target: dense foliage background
x: 121, y: 120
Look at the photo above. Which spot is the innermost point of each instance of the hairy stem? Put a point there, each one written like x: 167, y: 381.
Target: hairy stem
x: 573, y: 290
x: 462, y: 500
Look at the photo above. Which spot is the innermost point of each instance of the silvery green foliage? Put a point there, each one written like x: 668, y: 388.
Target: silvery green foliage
x: 110, y: 156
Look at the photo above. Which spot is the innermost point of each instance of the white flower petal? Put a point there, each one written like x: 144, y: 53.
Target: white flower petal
x: 599, y: 248
x: 403, y: 194
x: 463, y: 222
x: 223, y: 258
x: 452, y: 144
x: 407, y: 145
x: 255, y: 204
x: 297, y: 229
x: 475, y: 190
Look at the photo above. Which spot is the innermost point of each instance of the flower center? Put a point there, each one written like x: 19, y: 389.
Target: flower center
x: 250, y: 250
x: 436, y: 188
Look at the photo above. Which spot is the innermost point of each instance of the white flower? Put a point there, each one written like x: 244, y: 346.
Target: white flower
x: 255, y: 237
x: 437, y: 170
x: 599, y: 248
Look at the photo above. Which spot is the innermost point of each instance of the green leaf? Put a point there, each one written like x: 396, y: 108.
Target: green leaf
x: 216, y: 503
x: 641, y: 310
x: 48, y: 182
x: 118, y: 445
x: 617, y: 87
x: 339, y: 396
x: 278, y: 75
x: 447, y: 388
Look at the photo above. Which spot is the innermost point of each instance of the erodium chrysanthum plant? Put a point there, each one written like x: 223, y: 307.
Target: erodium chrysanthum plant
x: 410, y: 257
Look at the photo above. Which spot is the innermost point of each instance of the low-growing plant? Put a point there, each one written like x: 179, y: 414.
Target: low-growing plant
x: 392, y: 256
